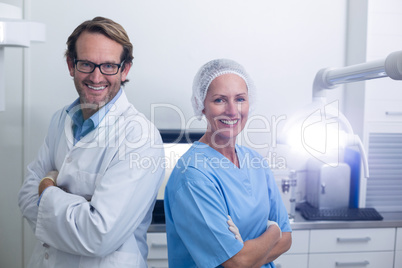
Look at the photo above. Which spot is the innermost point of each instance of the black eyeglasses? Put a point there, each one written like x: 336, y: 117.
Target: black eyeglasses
x: 88, y: 67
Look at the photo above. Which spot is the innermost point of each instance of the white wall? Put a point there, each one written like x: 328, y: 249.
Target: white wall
x: 17, y: 3
x: 11, y: 155
x: 282, y: 44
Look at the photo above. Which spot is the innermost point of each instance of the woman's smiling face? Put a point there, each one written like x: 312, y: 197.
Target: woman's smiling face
x: 226, y: 108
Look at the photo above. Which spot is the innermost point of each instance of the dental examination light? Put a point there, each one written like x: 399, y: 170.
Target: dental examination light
x: 319, y: 109
x: 329, y: 78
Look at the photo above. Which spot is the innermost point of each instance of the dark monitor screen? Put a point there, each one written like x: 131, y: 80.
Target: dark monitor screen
x: 175, y: 143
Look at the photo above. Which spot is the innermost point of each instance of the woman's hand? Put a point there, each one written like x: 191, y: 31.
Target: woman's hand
x: 258, y: 251
x: 53, y: 174
x: 49, y: 180
x: 233, y: 228
x: 269, y: 223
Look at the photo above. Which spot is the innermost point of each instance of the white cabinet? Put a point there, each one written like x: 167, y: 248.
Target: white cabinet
x: 158, y: 264
x: 362, y: 259
x: 157, y: 250
x: 300, y: 242
x: 384, y: 110
x: 352, y: 248
x: 398, y: 248
x: 297, y: 256
x: 363, y: 247
x: 292, y: 260
x: 348, y: 240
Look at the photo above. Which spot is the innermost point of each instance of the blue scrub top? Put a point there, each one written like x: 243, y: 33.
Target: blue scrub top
x: 203, y: 189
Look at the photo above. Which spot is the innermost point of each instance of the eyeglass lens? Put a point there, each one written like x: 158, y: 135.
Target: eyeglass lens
x: 105, y: 68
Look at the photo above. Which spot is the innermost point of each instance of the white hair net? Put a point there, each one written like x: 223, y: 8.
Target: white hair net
x: 209, y: 72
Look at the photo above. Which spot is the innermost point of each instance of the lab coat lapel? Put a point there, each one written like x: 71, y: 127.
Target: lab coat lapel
x: 105, y: 134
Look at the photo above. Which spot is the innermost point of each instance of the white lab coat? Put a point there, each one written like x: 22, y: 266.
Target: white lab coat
x: 99, y: 214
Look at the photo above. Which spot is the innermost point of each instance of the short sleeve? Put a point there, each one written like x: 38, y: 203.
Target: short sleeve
x: 200, y: 214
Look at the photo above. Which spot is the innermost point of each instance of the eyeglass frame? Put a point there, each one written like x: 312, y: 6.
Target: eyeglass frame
x: 98, y: 66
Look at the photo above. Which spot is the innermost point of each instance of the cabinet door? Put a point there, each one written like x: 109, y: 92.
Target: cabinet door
x: 157, y: 246
x: 352, y: 240
x: 292, y: 260
x: 300, y: 242
x: 349, y: 260
x: 384, y: 111
x: 398, y: 248
x: 398, y: 259
x: 158, y: 264
x: 398, y: 239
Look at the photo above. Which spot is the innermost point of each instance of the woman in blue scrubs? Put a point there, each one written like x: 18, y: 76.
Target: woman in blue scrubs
x: 217, y: 179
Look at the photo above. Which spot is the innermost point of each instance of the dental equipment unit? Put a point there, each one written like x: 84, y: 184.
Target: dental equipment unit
x: 329, y: 78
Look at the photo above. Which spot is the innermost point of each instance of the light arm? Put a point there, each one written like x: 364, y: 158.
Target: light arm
x: 330, y: 77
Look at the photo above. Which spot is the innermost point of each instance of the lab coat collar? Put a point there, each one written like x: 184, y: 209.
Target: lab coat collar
x: 115, y: 113
x: 117, y: 110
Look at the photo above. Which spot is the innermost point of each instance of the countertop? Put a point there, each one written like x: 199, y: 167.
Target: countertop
x: 391, y: 220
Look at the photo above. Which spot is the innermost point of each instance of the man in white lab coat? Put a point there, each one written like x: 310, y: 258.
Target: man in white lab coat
x: 89, y: 194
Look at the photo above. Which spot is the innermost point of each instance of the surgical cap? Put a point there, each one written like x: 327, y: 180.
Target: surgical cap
x: 211, y: 70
